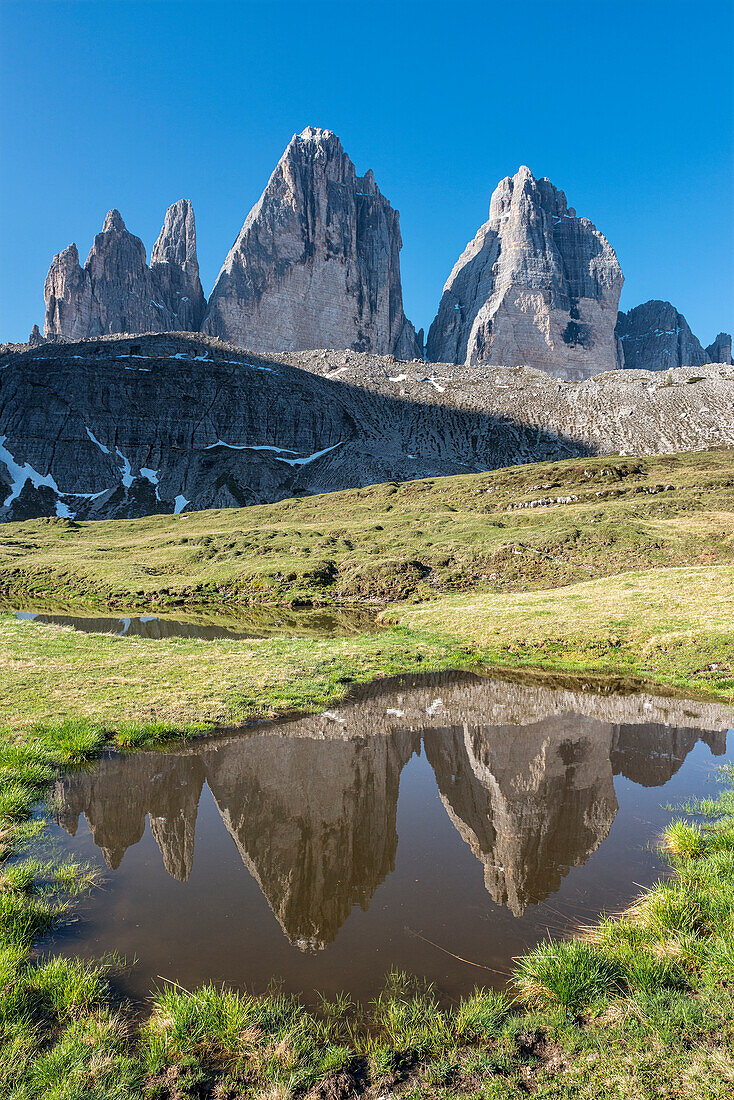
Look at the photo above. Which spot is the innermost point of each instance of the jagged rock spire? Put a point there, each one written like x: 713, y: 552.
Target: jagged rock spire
x: 720, y: 350
x: 174, y: 262
x: 317, y: 262
x: 116, y: 291
x: 538, y: 286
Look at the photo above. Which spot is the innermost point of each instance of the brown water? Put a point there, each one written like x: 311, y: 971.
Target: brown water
x: 209, y: 626
x: 424, y: 819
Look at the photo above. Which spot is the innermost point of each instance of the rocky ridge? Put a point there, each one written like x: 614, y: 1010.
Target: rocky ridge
x: 128, y: 426
x: 317, y: 264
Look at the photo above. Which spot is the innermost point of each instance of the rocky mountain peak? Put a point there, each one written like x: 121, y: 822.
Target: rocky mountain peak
x: 655, y: 336
x: 175, y: 267
x: 116, y: 290
x: 720, y: 350
x: 538, y: 286
x: 177, y: 239
x: 113, y: 221
x: 317, y: 262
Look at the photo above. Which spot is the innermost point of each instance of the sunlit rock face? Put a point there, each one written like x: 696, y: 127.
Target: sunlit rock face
x: 538, y: 286
x: 116, y: 291
x: 655, y: 336
x: 317, y: 262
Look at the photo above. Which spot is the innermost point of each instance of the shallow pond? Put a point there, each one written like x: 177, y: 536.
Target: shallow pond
x: 248, y: 623
x: 439, y: 824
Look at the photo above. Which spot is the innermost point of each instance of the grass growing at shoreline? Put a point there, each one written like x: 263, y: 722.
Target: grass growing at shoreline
x: 671, y: 626
x: 638, y: 1005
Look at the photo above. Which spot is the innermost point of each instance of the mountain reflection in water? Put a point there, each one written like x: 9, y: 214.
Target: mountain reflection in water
x: 526, y: 776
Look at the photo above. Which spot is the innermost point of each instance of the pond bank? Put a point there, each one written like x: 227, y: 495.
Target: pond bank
x: 670, y: 627
x: 638, y: 1005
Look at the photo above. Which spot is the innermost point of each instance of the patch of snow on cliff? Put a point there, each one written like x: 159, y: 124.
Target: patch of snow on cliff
x: 92, y: 436
x: 20, y: 474
x: 126, y: 470
x: 251, y: 447
x: 310, y: 458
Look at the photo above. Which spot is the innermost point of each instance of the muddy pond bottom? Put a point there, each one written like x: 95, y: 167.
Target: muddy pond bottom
x: 440, y: 825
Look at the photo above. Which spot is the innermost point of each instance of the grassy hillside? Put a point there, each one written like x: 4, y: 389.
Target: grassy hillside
x: 499, y: 531
x: 674, y: 626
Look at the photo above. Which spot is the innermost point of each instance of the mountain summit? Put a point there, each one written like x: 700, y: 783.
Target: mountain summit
x: 116, y: 291
x: 317, y: 262
x: 538, y: 286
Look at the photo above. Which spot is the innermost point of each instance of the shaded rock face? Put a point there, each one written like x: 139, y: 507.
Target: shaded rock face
x: 317, y: 262
x: 538, y: 286
x: 175, y: 268
x: 116, y: 291
x: 525, y: 774
x: 720, y: 350
x: 655, y: 336
x: 117, y: 427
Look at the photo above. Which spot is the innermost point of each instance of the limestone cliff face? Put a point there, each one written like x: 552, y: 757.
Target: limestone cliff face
x: 720, y: 350
x: 116, y: 291
x: 70, y: 308
x: 317, y: 262
x: 538, y: 286
x: 175, y: 267
x: 655, y: 336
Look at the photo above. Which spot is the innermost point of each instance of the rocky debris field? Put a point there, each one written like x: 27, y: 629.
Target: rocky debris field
x: 128, y: 426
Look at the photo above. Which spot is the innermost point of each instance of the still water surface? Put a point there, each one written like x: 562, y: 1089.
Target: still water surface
x: 424, y: 819
x: 248, y: 623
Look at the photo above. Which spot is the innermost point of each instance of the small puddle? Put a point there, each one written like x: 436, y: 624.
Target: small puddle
x: 441, y: 824
x: 251, y: 623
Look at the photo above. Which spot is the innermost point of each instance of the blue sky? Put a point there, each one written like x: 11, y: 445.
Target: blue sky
x: 627, y: 106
